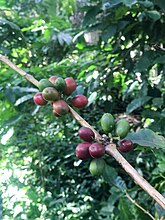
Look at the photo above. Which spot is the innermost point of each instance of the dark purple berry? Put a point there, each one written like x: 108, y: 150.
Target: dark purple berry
x: 96, y: 150
x: 86, y: 134
x: 125, y: 146
x: 82, y: 151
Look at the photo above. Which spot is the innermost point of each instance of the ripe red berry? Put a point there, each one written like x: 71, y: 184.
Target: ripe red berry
x: 125, y: 145
x: 60, y: 107
x: 96, y: 150
x: 39, y: 100
x: 86, y: 134
x: 79, y: 101
x: 52, y: 79
x: 70, y: 86
x: 82, y: 151
x: 55, y: 114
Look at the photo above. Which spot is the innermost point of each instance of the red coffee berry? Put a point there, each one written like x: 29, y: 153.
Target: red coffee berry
x: 86, y: 134
x: 52, y: 79
x: 82, y: 151
x: 79, y: 101
x: 70, y: 86
x: 96, y: 150
x: 60, y: 107
x: 125, y: 145
x: 55, y: 114
x: 39, y: 100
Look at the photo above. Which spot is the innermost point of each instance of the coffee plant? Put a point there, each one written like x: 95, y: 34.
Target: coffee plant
x: 103, y: 60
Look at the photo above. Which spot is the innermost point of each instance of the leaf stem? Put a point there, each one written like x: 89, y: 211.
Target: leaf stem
x: 136, y: 204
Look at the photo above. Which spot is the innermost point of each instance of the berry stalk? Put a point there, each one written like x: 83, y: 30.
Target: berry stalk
x: 110, y: 149
x: 84, y: 123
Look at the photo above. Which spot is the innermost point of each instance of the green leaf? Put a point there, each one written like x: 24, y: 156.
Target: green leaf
x: 18, y: 89
x: 129, y: 3
x: 154, y: 15
x: 120, y: 12
x: 158, y: 102
x: 160, y: 59
x: 56, y: 201
x: 90, y: 17
x: 160, y: 3
x: 161, y: 166
x: 111, y: 176
x: 163, y: 113
x: 13, y: 120
x: 136, y: 103
x: 115, y: 2
x: 13, y: 26
x: 9, y: 94
x: 109, y: 206
x: 109, y: 32
x: 111, y: 2
x: 23, y: 99
x: 64, y: 38
x: 143, y: 63
x: 151, y: 114
x: 125, y: 213
x: 146, y: 4
x: 79, y: 90
x: 147, y: 138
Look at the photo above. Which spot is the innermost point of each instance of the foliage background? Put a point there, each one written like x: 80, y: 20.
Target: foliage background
x: 115, y: 51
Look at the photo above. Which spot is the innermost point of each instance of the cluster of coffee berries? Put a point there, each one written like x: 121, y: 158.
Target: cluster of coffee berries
x: 54, y: 90
x: 119, y: 129
x: 91, y: 149
x: 95, y: 150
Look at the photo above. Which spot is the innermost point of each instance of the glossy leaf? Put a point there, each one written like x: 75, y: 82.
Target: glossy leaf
x: 129, y: 3
x: 10, y: 95
x: 125, y: 212
x: 137, y: 103
x: 18, y: 89
x: 12, y: 25
x: 147, y: 138
x: 155, y: 15
x: 109, y: 32
x: 160, y: 59
x: 64, y: 39
x: 23, y: 99
x: 90, y: 16
x: 111, y: 176
x: 13, y: 120
x: 160, y: 3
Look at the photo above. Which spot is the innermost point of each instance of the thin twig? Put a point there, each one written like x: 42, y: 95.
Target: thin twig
x: 28, y: 77
x: 136, y: 204
x: 84, y: 123
x: 110, y: 149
